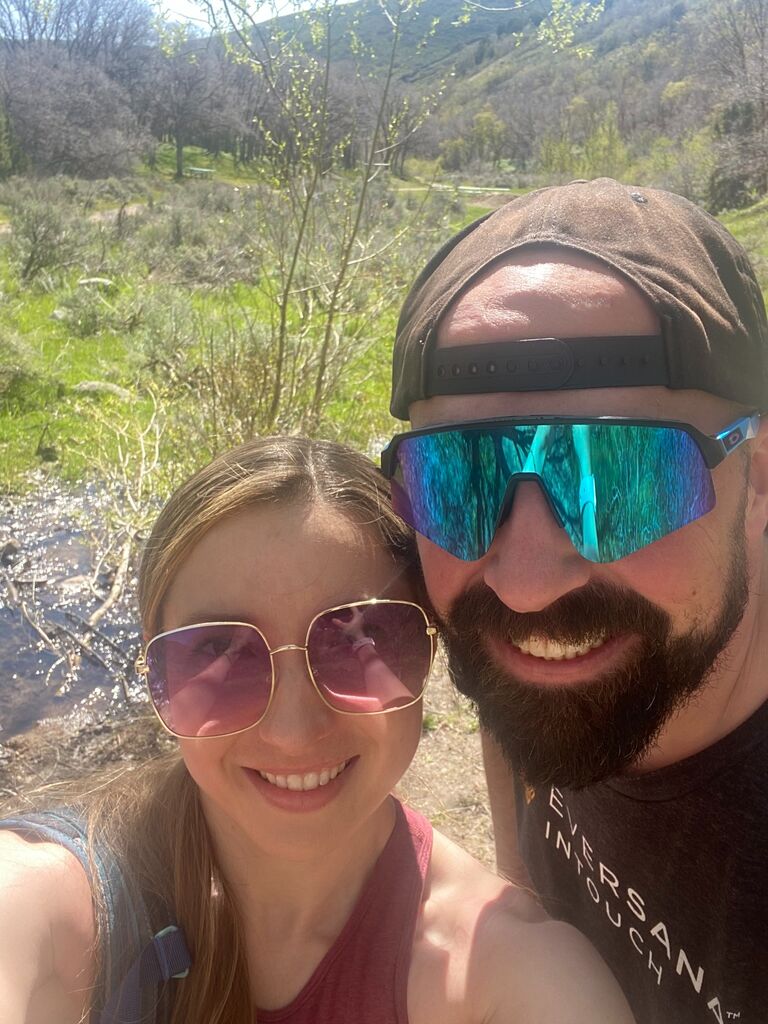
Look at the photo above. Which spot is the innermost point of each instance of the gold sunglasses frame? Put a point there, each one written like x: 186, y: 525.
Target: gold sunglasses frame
x: 431, y: 631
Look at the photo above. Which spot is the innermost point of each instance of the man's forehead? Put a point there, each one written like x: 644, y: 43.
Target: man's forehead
x: 547, y: 292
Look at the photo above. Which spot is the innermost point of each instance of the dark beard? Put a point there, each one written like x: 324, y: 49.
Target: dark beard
x: 577, y: 735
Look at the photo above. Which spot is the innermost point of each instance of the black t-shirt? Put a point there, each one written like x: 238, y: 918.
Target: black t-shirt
x: 667, y: 874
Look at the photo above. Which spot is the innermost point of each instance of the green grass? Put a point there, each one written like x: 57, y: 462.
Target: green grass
x: 473, y: 211
x: 128, y: 340
x: 43, y: 407
x: 41, y: 410
x: 223, y: 165
x: 750, y: 226
x: 152, y: 333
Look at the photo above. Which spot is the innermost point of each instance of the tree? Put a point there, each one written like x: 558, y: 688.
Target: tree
x: 489, y: 137
x: 482, y: 142
x: 322, y: 233
x: 559, y: 23
x: 604, y: 151
x: 187, y: 91
x: 738, y: 58
x: 403, y: 117
x: 684, y: 164
x: 99, y: 31
x: 66, y: 116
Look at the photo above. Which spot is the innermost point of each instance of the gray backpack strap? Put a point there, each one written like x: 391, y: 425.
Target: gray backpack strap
x: 165, y: 957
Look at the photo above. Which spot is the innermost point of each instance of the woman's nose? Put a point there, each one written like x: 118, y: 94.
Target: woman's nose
x: 297, y: 716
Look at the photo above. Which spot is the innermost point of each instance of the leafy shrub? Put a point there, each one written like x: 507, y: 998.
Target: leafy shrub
x: 15, y: 367
x: 199, y: 235
x: 46, y: 232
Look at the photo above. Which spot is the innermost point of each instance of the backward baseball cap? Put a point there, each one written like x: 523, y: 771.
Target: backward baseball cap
x: 698, y: 278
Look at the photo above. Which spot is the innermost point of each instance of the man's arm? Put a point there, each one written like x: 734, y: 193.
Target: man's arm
x: 500, y: 780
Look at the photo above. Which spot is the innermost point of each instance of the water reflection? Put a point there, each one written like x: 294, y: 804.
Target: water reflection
x: 49, y: 567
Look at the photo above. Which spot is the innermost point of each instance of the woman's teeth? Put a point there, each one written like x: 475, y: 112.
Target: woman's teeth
x: 301, y: 783
x: 551, y: 650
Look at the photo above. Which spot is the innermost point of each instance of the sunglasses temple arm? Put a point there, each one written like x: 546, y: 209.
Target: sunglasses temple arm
x: 753, y: 425
x: 737, y: 433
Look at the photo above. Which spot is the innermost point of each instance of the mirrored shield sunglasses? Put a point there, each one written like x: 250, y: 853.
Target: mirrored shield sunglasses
x: 613, y: 484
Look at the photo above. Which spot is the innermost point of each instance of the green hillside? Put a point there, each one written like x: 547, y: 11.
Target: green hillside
x: 646, y: 91
x: 434, y: 38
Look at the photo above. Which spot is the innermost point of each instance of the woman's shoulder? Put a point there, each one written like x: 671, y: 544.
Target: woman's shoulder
x: 500, y: 952
x: 47, y: 927
x: 464, y: 897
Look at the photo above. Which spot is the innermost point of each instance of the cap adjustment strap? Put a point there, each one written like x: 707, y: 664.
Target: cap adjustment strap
x: 546, y: 364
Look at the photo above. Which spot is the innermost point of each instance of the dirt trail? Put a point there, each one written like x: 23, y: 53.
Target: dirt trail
x: 96, y: 216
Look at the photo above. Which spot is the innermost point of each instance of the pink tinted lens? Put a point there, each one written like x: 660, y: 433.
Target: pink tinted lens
x: 370, y: 657
x: 209, y: 680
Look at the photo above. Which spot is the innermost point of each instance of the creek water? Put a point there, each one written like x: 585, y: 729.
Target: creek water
x: 49, y: 549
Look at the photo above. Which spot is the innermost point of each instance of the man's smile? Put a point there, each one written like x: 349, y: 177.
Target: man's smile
x: 553, y: 650
x: 539, y: 660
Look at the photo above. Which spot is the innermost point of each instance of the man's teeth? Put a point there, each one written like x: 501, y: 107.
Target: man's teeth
x: 302, y: 783
x: 551, y: 650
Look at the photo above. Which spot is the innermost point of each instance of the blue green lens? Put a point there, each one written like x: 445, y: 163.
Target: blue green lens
x: 614, y: 487
x: 650, y: 481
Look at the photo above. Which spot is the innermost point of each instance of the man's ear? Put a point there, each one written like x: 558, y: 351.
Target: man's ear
x: 757, y: 497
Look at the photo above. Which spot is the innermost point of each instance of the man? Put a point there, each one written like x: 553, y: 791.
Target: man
x: 584, y: 371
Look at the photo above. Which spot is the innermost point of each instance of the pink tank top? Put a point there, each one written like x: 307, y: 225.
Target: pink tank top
x: 363, y: 978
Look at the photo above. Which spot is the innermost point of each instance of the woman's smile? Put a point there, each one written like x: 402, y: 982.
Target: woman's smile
x: 302, y: 780
x: 306, y: 792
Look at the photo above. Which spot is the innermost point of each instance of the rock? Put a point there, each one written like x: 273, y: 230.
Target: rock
x: 100, y: 282
x: 9, y: 551
x: 74, y: 584
x: 101, y: 387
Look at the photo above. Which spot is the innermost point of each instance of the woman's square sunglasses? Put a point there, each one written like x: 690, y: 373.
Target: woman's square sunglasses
x: 218, y: 678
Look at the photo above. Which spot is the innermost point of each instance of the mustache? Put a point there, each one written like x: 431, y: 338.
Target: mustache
x: 596, y: 611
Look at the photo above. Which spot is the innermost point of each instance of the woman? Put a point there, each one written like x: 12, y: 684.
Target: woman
x: 287, y: 651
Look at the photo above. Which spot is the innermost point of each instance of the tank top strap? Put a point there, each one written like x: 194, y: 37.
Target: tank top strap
x: 416, y: 855
x: 363, y: 978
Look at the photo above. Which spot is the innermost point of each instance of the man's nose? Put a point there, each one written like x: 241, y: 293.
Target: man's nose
x: 532, y: 562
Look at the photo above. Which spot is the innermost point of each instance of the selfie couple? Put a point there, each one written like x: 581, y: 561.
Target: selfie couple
x: 576, y: 512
